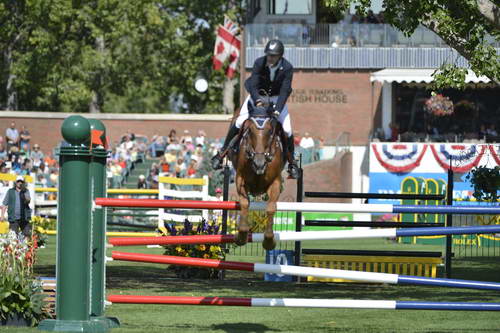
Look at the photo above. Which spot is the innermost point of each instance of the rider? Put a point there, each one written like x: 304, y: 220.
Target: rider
x: 273, y: 74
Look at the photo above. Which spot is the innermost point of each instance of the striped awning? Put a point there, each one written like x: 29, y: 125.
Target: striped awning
x: 417, y: 75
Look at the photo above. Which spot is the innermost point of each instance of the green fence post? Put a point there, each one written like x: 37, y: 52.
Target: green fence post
x: 98, y: 225
x: 73, y: 233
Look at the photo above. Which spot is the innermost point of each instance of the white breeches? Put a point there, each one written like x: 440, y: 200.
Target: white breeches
x: 284, y: 117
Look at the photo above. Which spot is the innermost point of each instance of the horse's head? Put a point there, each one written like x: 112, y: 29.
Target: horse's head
x: 261, y: 133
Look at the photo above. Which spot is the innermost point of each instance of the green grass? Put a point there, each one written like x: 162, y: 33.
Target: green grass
x: 149, y: 279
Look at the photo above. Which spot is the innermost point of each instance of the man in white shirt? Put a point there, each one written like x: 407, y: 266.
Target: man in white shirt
x: 12, y: 136
x: 307, y: 141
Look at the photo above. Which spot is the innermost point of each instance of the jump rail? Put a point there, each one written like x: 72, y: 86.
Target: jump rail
x: 304, y: 271
x: 370, y: 224
x: 298, y: 206
x: 307, y: 235
x: 303, y: 303
x: 348, y: 195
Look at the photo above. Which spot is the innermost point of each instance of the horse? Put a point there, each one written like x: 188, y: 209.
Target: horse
x: 258, y: 161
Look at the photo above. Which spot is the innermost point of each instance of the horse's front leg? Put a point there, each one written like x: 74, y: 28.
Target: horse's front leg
x: 243, y: 228
x: 273, y: 192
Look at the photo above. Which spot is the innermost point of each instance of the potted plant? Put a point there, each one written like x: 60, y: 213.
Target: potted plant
x: 21, y: 294
x: 205, y: 251
x: 438, y: 105
x: 486, y: 183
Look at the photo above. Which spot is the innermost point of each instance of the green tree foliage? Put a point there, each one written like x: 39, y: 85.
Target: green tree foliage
x: 468, y: 26
x: 124, y: 56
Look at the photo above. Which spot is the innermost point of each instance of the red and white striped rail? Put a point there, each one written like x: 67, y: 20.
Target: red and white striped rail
x: 297, y: 206
x: 303, y: 271
x: 303, y: 303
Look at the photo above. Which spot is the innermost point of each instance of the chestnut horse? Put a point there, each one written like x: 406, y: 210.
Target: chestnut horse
x: 258, y: 164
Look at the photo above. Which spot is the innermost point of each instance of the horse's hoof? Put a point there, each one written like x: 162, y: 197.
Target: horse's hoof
x: 269, y: 244
x: 241, y: 238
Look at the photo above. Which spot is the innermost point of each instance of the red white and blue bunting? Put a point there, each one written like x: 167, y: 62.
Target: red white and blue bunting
x: 461, y: 158
x: 495, y: 151
x: 399, y: 158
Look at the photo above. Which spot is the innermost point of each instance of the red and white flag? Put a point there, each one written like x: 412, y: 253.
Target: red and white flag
x: 227, y: 46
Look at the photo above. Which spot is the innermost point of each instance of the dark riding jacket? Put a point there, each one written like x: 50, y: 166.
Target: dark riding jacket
x: 260, y: 80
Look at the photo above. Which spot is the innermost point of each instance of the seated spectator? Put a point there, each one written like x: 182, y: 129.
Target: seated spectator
x: 142, y: 183
x: 54, y: 178
x: 170, y: 157
x: 25, y: 167
x: 157, y: 146
x: 491, y: 131
x: 186, y: 137
x: 482, y: 131
x: 191, y: 170
x: 36, y: 155
x: 180, y: 168
x: 174, y: 145
x: 200, y: 139
x: 3, y: 153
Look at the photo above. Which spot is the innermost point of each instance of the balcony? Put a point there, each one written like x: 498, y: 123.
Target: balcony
x: 353, y: 46
x: 342, y: 35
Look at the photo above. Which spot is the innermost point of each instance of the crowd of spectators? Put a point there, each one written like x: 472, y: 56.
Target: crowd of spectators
x: 182, y: 156
x: 21, y: 155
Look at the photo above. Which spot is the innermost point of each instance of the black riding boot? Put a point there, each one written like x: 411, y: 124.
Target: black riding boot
x: 216, y: 161
x: 293, y: 169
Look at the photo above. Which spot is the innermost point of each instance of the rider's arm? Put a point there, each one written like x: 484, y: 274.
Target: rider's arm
x: 285, y: 90
x: 252, y: 83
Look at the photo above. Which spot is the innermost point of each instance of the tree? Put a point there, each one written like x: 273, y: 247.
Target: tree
x: 109, y: 56
x: 468, y: 26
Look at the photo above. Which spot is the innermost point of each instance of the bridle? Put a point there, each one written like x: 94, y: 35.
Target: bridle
x: 270, y: 150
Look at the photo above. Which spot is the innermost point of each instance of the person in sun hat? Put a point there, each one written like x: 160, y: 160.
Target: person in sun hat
x: 16, y: 203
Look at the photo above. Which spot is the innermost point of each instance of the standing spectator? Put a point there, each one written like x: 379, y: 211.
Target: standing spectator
x: 142, y: 183
x: 25, y: 138
x: 16, y: 203
x: 172, y: 136
x: 296, y: 138
x: 12, y: 136
x: 36, y: 155
x: 217, y: 213
x: 307, y: 141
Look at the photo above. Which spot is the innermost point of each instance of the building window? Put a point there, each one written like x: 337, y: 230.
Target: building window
x: 290, y: 7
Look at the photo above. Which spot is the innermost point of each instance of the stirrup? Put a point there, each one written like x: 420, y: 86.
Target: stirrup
x: 293, y: 170
x: 216, y: 161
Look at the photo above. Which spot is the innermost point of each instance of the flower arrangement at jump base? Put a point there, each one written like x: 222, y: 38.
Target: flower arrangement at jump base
x: 21, y: 295
x: 205, y: 251
x: 439, y: 105
x: 40, y: 225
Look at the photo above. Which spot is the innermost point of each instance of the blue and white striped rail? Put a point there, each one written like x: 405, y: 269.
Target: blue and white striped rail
x: 378, y: 208
x: 306, y: 235
x: 303, y: 303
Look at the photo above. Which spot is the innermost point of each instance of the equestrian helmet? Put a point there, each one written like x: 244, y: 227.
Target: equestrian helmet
x: 274, y: 47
